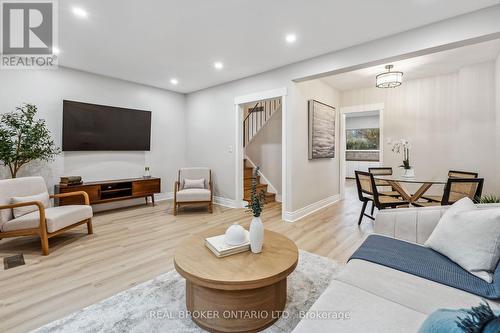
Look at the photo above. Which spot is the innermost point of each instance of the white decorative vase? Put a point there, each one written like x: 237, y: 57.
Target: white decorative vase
x: 256, y: 235
x: 409, y: 173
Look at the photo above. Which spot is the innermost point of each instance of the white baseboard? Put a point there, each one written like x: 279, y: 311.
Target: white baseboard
x: 309, y: 209
x: 230, y: 203
x: 164, y: 196
x: 279, y: 198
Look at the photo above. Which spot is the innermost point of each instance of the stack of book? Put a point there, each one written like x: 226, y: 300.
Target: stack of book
x: 220, y: 248
x: 71, y: 180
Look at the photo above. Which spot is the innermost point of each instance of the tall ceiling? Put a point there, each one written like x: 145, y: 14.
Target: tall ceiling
x: 439, y: 63
x: 153, y: 41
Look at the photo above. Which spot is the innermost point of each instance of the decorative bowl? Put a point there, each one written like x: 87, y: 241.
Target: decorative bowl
x: 235, y: 235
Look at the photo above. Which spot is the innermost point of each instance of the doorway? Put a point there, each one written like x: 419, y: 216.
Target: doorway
x: 242, y: 137
x: 361, y: 140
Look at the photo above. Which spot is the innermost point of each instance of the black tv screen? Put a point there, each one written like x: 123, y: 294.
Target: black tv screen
x: 99, y: 127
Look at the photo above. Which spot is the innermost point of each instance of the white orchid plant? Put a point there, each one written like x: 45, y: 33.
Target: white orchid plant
x: 402, y: 146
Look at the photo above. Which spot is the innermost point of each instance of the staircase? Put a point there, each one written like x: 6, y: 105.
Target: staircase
x: 247, y: 185
x: 256, y: 118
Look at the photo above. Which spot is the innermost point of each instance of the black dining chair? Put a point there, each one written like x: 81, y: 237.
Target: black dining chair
x: 456, y: 189
x: 451, y: 174
x: 367, y: 192
x: 384, y: 171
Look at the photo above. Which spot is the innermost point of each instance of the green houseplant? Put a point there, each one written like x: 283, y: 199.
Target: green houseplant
x: 23, y: 139
x: 489, y: 198
x: 256, y: 205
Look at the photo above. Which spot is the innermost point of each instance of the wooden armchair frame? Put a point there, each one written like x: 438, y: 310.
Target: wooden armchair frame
x: 178, y: 204
x: 42, y: 231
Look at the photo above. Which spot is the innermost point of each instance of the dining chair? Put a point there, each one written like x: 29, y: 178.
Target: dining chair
x: 452, y: 174
x: 384, y: 171
x: 367, y: 191
x: 456, y: 189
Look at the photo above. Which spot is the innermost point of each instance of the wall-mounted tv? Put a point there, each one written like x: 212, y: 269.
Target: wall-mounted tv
x: 99, y: 127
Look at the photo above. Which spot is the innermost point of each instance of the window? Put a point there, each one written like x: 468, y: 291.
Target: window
x: 363, y: 139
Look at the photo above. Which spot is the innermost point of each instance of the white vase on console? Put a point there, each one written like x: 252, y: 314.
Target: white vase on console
x: 256, y: 235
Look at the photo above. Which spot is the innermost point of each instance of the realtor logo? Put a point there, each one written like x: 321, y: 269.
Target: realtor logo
x: 28, y: 34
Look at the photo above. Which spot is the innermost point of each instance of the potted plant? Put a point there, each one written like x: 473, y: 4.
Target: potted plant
x: 256, y: 205
x: 24, y: 139
x: 403, y: 146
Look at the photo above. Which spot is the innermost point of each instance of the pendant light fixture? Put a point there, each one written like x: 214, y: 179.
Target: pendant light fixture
x: 389, y: 79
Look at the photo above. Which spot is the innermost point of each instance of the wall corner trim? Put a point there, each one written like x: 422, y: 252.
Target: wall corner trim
x: 309, y: 209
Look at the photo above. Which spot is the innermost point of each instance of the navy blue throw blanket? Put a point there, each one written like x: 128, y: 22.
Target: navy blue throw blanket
x: 425, y: 263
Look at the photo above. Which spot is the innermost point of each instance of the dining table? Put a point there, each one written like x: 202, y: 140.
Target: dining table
x: 397, y: 180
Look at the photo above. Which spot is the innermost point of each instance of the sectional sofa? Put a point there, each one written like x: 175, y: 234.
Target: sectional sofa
x: 381, y: 299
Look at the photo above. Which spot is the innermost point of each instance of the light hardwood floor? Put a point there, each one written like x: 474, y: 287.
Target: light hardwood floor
x: 133, y: 245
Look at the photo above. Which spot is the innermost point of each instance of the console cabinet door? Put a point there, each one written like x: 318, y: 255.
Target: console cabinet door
x: 92, y: 191
x: 145, y: 187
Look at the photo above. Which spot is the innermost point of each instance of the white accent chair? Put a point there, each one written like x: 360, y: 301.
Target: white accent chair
x: 43, y: 220
x: 184, y: 196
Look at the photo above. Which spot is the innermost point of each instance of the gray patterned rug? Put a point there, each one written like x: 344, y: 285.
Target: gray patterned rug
x: 152, y: 306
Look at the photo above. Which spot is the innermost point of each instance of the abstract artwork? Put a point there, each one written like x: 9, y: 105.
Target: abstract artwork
x: 321, y: 130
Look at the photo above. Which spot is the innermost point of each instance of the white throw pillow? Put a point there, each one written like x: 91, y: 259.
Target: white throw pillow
x: 194, y: 183
x: 470, y: 237
x: 20, y: 211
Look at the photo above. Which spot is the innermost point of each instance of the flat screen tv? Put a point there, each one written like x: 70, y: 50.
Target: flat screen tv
x: 99, y: 127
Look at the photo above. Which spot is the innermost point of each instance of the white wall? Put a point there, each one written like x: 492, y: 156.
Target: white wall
x: 48, y: 88
x: 211, y: 112
x: 497, y: 85
x: 362, y: 122
x: 449, y: 119
x: 265, y: 150
x: 316, y: 179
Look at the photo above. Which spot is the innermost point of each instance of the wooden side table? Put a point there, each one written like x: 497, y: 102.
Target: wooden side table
x: 244, y: 292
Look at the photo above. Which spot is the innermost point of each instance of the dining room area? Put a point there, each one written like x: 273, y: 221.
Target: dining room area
x: 436, y: 136
x: 382, y: 188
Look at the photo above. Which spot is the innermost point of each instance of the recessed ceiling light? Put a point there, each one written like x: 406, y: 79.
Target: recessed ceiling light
x: 56, y: 50
x: 174, y: 81
x: 291, y: 38
x: 80, y: 12
x: 218, y: 65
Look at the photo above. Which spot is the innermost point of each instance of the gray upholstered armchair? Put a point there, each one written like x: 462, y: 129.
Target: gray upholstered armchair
x: 25, y: 210
x: 193, y: 186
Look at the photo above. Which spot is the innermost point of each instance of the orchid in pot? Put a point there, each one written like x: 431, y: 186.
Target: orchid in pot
x: 403, y: 146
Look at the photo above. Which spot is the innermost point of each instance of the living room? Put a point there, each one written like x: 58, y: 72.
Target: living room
x: 145, y: 161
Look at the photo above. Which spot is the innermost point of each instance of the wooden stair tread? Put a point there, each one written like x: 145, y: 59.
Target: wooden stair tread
x: 247, y: 185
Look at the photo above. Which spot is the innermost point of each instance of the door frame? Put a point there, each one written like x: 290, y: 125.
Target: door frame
x: 238, y: 142
x: 353, y: 109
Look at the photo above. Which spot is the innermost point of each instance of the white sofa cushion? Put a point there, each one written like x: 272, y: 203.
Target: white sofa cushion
x: 411, y: 291
x: 193, y: 194
x: 23, y: 210
x: 194, y: 183
x: 56, y: 218
x: 368, y: 312
x: 470, y: 237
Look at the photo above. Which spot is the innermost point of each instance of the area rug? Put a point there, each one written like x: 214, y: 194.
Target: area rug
x: 152, y: 306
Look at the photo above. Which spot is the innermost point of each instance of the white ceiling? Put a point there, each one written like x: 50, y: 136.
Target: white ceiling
x: 419, y: 67
x: 152, y: 41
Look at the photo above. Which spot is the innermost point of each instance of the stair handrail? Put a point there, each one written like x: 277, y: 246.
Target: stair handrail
x: 252, y: 112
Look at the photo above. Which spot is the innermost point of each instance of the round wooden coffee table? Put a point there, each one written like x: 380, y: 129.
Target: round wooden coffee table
x: 244, y: 292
